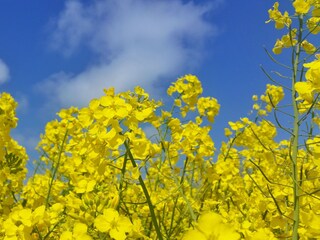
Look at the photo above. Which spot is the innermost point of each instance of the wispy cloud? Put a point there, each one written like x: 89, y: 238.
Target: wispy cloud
x: 136, y: 42
x: 4, y: 72
x: 23, y: 103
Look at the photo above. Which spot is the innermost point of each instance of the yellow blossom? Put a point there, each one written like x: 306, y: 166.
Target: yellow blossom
x: 301, y: 6
x: 211, y: 227
x: 308, y: 47
x: 281, y: 20
x: 117, y: 226
x: 313, y: 24
x: 278, y: 46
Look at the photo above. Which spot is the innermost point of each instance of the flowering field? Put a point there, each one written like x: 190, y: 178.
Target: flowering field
x: 101, y: 175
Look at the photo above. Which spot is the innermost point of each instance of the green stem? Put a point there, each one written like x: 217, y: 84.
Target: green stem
x: 146, y: 194
x: 56, y: 169
x: 295, y: 136
x: 179, y: 185
x: 123, y: 171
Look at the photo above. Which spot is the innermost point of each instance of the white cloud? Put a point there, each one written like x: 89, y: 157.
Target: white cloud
x: 71, y: 26
x: 4, y: 72
x: 23, y: 103
x: 137, y: 42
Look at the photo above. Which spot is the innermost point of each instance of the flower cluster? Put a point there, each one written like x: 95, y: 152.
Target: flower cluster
x: 311, y: 87
x: 13, y: 157
x: 126, y: 167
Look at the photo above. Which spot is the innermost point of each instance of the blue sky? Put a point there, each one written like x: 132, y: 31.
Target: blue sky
x: 54, y: 54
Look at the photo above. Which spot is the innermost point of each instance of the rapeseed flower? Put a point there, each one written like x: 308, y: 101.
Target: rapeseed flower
x: 210, y: 226
x: 111, y: 222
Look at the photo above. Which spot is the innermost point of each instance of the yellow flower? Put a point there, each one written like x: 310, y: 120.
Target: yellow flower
x: 189, y: 87
x: 254, y: 98
x: 208, y: 107
x: 79, y: 232
x: 313, y: 73
x: 194, y: 234
x: 114, y: 106
x: 301, y: 6
x: 66, y: 235
x: 114, y: 224
x: 256, y: 106
x: 177, y: 102
x: 227, y: 132
x: 143, y: 113
x: 85, y: 117
x: 308, y: 47
x: 235, y: 126
x: 273, y: 95
x: 313, y: 25
x: 211, y: 227
x: 262, y: 234
x: 135, y: 173
x: 289, y: 39
x: 84, y: 185
x: 10, y: 228
x: 280, y: 19
x: 278, y: 46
